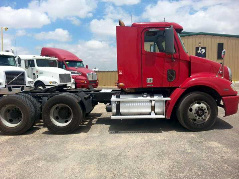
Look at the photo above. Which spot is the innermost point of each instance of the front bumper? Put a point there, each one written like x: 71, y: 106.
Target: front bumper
x: 230, y: 104
x: 86, y: 84
x: 11, y: 90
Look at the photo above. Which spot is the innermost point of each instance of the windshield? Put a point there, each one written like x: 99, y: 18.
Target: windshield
x: 75, y: 64
x: 182, y: 43
x: 7, y: 61
x: 46, y: 63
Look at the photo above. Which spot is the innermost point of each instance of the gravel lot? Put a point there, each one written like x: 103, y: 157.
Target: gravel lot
x: 104, y: 148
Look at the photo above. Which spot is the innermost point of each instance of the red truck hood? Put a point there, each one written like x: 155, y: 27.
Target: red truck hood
x: 82, y: 70
x: 199, y: 65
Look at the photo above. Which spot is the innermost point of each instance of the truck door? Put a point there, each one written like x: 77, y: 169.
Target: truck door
x: 30, y: 68
x: 158, y: 68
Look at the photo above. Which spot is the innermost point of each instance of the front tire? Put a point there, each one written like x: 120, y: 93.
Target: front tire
x: 197, y: 111
x: 40, y: 86
x: 62, y: 114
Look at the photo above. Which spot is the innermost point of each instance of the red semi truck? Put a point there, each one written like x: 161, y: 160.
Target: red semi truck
x: 84, y: 77
x: 156, y: 79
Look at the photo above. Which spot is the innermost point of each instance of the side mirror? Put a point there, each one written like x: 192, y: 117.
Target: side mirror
x: 169, y: 40
x: 86, y: 66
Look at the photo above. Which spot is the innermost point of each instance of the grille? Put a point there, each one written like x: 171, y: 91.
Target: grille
x: 92, y: 82
x: 15, y: 78
x: 65, y: 78
x: 92, y: 76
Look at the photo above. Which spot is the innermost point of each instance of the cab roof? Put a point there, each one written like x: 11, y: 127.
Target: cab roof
x: 30, y: 57
x: 59, y: 53
x: 6, y: 53
x: 176, y: 26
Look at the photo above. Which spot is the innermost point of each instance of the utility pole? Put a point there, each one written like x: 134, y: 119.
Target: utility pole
x: 5, y: 28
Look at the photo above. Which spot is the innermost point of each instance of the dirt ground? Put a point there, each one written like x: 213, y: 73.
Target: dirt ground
x: 105, y: 148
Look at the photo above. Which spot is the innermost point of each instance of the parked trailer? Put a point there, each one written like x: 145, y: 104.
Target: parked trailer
x: 156, y: 79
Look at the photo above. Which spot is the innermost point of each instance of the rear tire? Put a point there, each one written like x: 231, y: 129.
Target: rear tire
x: 62, y: 114
x: 35, y: 103
x: 16, y: 114
x: 197, y: 111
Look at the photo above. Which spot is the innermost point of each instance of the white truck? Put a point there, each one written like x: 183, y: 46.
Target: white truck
x: 44, y: 71
x: 12, y: 78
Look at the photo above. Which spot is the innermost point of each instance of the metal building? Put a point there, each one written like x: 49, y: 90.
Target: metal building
x: 210, y: 46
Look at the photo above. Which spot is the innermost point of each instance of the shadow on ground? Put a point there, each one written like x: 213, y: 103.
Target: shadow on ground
x: 130, y: 126
x: 151, y: 125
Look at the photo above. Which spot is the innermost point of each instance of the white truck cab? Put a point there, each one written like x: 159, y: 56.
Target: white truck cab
x: 44, y: 71
x: 12, y: 78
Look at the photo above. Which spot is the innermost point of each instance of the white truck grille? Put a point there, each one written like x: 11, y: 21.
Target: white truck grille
x: 92, y: 76
x: 65, y: 78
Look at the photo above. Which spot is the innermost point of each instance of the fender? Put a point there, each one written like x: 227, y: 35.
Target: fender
x: 171, y: 103
x: 45, y: 80
x: 221, y: 85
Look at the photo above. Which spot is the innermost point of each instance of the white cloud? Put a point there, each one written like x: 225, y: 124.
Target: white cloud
x: 9, y: 43
x: 123, y: 2
x: 206, y: 16
x: 58, y: 35
x: 21, y: 33
x: 22, y: 18
x: 100, y: 54
x: 74, y: 21
x: 65, y: 8
x: 107, y: 25
x: 103, y: 27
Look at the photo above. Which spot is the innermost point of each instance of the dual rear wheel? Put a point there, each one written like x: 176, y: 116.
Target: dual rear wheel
x: 17, y: 114
x: 63, y: 113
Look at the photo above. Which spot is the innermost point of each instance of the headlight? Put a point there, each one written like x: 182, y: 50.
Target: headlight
x: 30, y: 82
x: 233, y: 87
x: 53, y: 82
x: 230, y: 73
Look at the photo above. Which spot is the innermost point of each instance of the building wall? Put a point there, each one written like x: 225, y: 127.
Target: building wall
x: 107, y: 78
x: 231, y: 45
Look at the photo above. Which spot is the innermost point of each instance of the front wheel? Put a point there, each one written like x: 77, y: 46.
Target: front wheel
x: 40, y: 86
x: 197, y: 111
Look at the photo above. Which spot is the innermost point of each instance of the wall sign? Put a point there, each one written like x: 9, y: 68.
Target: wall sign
x: 201, y: 52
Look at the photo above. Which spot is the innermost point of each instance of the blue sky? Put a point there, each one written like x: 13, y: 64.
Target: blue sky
x: 87, y: 27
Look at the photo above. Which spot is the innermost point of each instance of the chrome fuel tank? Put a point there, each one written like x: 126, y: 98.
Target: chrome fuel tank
x: 138, y: 104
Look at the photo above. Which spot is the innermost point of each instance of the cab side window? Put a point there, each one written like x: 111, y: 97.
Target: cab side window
x: 61, y: 65
x: 26, y: 64
x: 154, y: 41
x: 31, y: 63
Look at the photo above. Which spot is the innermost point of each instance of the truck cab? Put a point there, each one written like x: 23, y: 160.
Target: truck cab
x: 12, y: 78
x: 153, y: 61
x: 84, y: 77
x: 44, y: 71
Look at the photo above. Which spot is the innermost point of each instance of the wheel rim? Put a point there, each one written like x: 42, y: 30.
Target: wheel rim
x: 199, y: 112
x: 11, y: 116
x: 61, y: 115
x: 40, y: 87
